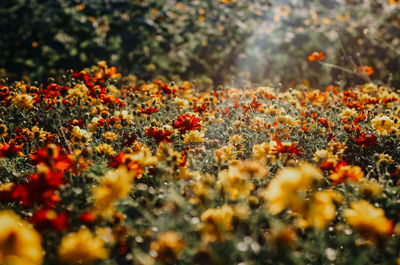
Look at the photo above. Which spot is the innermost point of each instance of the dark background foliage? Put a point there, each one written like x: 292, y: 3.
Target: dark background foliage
x: 223, y: 41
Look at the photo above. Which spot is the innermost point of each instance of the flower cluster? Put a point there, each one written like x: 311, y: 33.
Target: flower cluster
x: 158, y: 173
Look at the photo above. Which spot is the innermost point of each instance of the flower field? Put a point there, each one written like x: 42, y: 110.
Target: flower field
x: 99, y: 168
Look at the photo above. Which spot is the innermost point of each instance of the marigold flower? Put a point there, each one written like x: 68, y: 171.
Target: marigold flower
x: 287, y: 148
x: 187, y: 122
x: 218, y: 223
x: 384, y: 125
x: 105, y: 149
x: 235, y: 183
x: 252, y: 168
x: 116, y: 184
x: 344, y: 173
x: 80, y: 135
x: 149, y: 110
x: 193, y: 137
x: 23, y: 101
x: 48, y: 218
x: 316, y: 56
x: 41, y: 188
x: 20, y: 243
x: 159, y: 135
x: 284, y: 190
x: 51, y: 156
x: 79, y: 91
x: 168, y: 246
x: 10, y: 149
x: 261, y: 151
x: 371, y: 188
x: 365, y: 140
x: 322, y: 209
x: 143, y: 157
x: 367, y: 219
x: 366, y: 70
x: 81, y: 247
x: 224, y: 153
x: 110, y: 136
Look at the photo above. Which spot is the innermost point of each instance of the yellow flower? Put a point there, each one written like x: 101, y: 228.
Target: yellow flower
x: 235, y: 183
x: 40, y: 133
x: 80, y: 136
x: 367, y: 219
x: 143, y: 157
x: 347, y: 113
x: 20, y: 244
x: 286, y: 188
x: 261, y: 151
x: 105, y: 149
x: 288, y: 120
x: 79, y: 91
x: 371, y: 188
x: 110, y: 136
x: 203, y: 188
x: 124, y: 115
x: 253, y: 168
x: 116, y: 184
x: 168, y: 246
x: 218, y: 223
x: 181, y: 103
x: 81, y: 247
x: 383, y: 125
x: 322, y: 210
x: 23, y: 101
x: 193, y: 137
x: 224, y: 153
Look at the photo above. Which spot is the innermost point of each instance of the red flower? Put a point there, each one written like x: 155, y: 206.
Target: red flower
x: 200, y: 108
x: 164, y: 87
x: 129, y: 139
x: 121, y: 159
x: 148, y: 110
x: 36, y: 190
x: 255, y: 104
x: 389, y: 100
x: 52, y: 157
x: 288, y: 148
x: 49, y: 219
x: 159, y: 135
x: 366, y: 140
x: 88, y: 218
x: 325, y: 122
x: 10, y: 149
x: 187, y: 123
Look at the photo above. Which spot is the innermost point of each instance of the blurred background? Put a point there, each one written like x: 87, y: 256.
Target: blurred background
x: 213, y: 41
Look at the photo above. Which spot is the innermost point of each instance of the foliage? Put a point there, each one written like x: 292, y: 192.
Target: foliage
x: 222, y: 41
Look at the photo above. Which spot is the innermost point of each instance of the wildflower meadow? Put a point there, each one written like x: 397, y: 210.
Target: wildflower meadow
x: 222, y: 132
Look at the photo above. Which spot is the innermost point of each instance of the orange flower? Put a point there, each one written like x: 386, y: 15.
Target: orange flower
x: 52, y: 156
x: 187, y: 122
x: 10, y: 149
x: 366, y: 70
x: 316, y: 56
x: 344, y: 173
